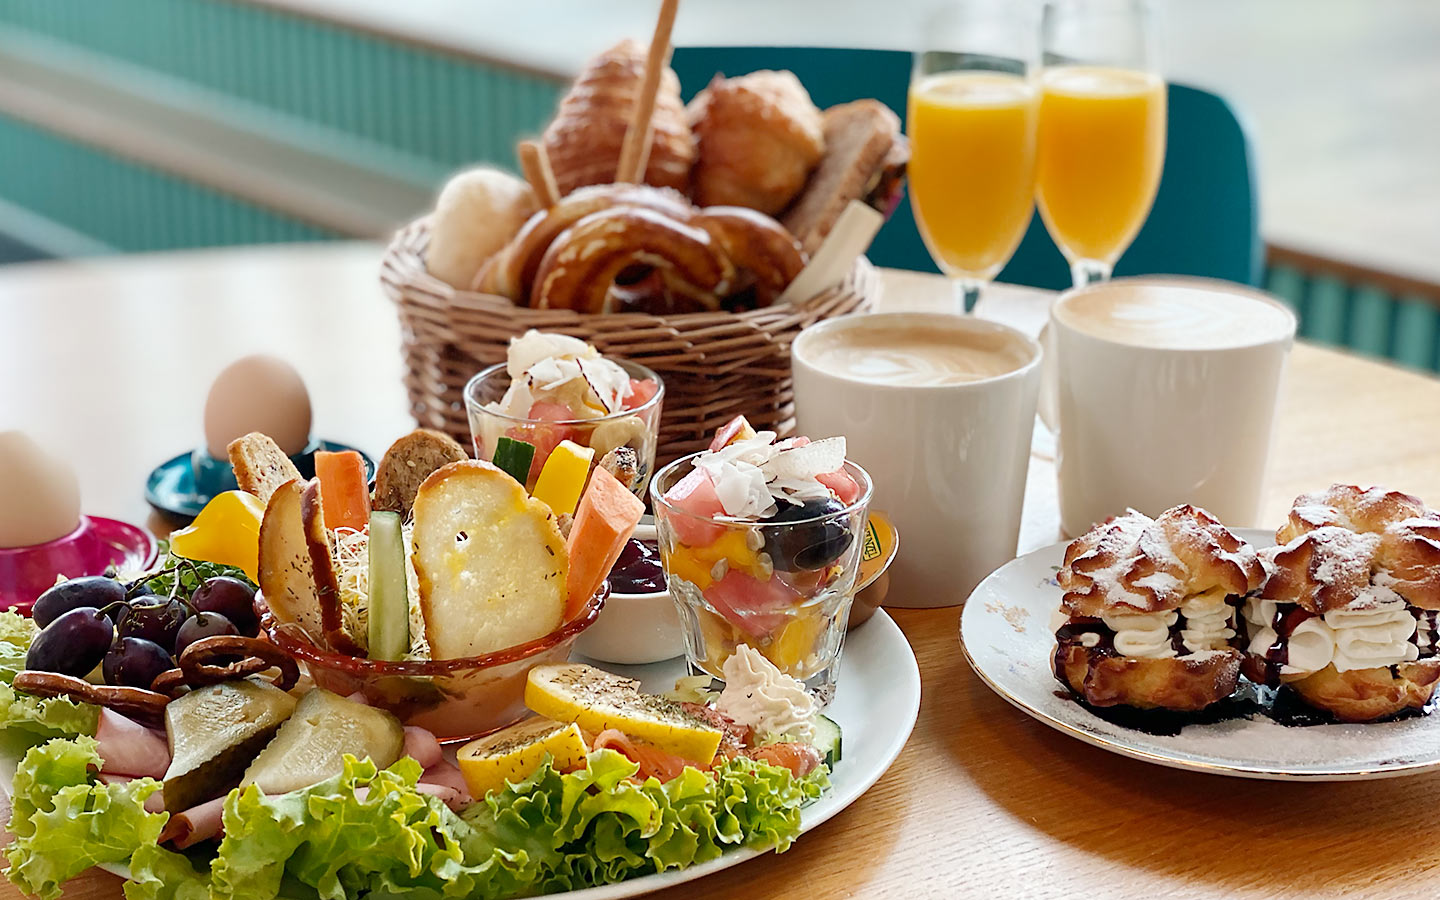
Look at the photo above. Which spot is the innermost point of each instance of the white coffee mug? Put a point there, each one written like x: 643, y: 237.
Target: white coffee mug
x: 1163, y: 391
x: 948, y: 460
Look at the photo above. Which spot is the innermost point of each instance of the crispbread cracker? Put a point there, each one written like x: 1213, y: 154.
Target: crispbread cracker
x: 260, y: 465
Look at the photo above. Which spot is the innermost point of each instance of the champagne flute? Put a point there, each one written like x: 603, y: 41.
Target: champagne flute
x: 1102, y: 129
x: 971, y: 119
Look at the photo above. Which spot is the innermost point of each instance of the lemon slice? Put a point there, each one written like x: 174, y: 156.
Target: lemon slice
x: 514, y: 753
x: 596, y: 700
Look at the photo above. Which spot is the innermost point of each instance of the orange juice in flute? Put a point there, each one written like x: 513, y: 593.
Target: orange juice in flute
x: 1102, y: 146
x: 971, y: 121
x: 972, y: 169
x: 1101, y: 137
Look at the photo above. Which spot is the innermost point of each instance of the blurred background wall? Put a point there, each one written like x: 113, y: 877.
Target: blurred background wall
x: 141, y: 125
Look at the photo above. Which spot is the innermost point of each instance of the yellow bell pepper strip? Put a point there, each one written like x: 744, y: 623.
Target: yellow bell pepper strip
x: 227, y: 531
x: 563, y: 478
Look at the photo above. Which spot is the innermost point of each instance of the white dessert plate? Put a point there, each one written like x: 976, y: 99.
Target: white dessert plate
x: 1006, y: 635
x: 875, y: 705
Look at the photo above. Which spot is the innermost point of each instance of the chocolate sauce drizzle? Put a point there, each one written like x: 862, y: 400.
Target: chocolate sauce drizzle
x: 1272, y: 699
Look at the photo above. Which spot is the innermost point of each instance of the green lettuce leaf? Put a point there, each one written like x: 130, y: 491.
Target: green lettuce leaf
x: 595, y: 826
x: 64, y: 823
x: 371, y: 832
x: 47, y: 717
x: 38, y: 718
x: 16, y: 633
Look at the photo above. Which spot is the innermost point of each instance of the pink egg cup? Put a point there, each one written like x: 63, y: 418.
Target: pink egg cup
x: 95, y: 545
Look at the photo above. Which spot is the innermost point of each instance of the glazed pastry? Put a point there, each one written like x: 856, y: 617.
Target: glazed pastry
x: 583, y: 141
x: 477, y: 214
x: 758, y: 138
x: 1347, y: 614
x: 1149, y: 610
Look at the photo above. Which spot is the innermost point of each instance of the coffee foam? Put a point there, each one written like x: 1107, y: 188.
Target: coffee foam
x: 915, y: 355
x: 1174, y: 315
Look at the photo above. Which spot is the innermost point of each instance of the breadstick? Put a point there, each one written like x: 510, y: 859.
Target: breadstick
x: 536, y: 165
x: 635, y: 151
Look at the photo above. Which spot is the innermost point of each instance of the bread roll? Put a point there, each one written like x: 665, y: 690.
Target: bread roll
x: 477, y: 213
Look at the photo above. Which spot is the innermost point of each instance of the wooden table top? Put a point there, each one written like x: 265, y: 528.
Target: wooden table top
x: 111, y: 361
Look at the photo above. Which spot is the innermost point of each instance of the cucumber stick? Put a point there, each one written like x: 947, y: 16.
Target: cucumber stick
x: 514, y: 457
x: 389, y: 599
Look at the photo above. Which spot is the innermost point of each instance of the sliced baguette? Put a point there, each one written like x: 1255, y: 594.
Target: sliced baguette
x: 325, y: 575
x: 596, y: 700
x: 261, y: 467
x: 287, y: 572
x: 491, y: 561
x: 407, y: 464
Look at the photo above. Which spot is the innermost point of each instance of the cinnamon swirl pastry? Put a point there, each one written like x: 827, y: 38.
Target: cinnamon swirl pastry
x: 1149, y: 610
x: 1347, y: 614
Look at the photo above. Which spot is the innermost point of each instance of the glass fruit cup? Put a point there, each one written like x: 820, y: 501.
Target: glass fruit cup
x: 549, y: 423
x: 783, y: 587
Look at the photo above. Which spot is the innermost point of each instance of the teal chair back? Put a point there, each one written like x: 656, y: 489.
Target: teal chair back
x: 1205, y: 220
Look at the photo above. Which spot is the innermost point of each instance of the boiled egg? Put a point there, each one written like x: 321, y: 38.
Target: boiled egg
x: 39, y: 493
x: 258, y: 393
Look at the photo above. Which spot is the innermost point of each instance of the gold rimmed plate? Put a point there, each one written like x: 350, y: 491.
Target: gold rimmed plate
x: 1006, y: 634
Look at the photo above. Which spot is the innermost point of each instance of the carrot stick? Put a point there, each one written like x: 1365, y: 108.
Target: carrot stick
x: 344, y: 493
x: 635, y: 151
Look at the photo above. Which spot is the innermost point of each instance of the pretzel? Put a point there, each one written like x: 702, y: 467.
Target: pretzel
x: 171, y: 683
x: 511, y: 272
x: 581, y: 266
x: 227, y: 657
x: 146, y: 707
x: 765, y: 255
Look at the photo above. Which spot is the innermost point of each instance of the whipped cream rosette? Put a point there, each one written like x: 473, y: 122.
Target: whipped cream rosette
x: 1347, y: 614
x: 1148, y: 618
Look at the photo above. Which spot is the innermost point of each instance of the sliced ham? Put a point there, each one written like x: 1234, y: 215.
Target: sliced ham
x: 421, y: 746
x: 199, y: 823
x: 445, y: 777
x: 153, y: 804
x: 129, y: 748
x: 446, y: 794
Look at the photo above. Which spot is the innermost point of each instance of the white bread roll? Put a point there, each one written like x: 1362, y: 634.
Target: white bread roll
x: 477, y: 212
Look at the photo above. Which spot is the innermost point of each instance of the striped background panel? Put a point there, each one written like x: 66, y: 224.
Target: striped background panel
x: 1360, y: 317
x: 439, y: 106
x: 127, y: 206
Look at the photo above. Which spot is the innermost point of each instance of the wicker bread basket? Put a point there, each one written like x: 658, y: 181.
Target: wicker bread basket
x: 715, y: 365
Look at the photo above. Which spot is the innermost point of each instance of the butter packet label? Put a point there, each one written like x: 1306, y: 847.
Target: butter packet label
x: 879, y: 543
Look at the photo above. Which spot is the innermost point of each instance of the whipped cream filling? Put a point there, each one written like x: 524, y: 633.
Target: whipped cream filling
x: 1374, y: 631
x: 1208, y: 625
x: 761, y: 696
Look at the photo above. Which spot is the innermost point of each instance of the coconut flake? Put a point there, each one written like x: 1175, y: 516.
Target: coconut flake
x: 533, y: 346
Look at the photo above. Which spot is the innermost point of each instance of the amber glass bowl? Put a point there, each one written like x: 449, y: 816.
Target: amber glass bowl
x: 454, y: 699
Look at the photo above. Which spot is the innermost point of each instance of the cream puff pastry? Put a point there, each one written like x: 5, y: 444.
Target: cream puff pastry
x: 1347, y: 614
x: 1149, y: 610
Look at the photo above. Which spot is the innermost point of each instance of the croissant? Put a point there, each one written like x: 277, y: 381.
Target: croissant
x: 583, y: 141
x: 759, y: 138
